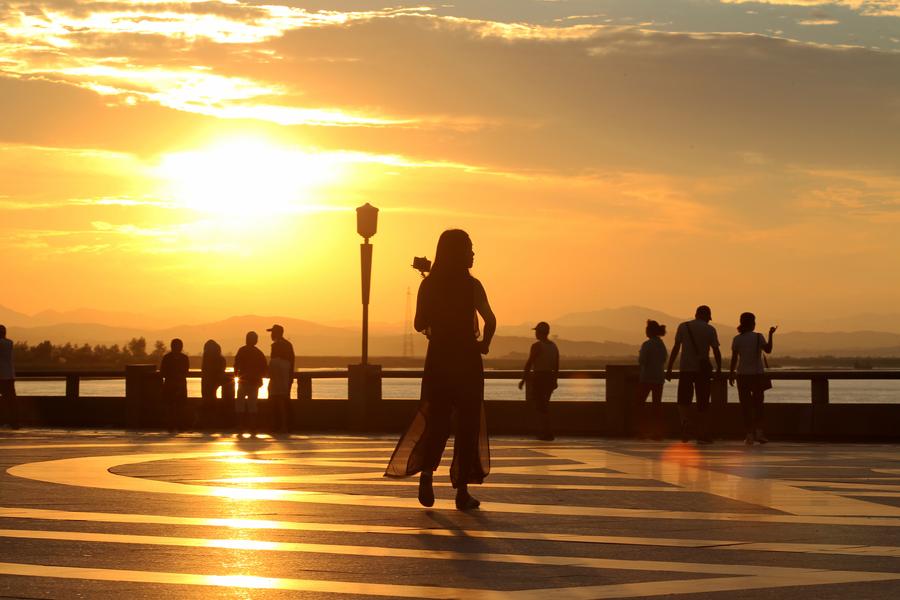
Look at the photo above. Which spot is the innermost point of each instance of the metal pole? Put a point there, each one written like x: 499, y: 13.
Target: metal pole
x: 365, y: 255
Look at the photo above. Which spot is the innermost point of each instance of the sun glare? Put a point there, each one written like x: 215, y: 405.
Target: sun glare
x: 247, y: 178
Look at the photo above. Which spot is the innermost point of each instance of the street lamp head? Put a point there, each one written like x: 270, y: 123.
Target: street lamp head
x: 366, y: 220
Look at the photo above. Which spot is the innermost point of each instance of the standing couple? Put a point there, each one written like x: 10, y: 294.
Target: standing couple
x: 447, y: 309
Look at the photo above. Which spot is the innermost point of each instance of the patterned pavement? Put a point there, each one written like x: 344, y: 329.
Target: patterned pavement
x: 113, y: 515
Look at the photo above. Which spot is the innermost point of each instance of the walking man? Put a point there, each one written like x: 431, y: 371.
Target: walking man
x: 8, y: 380
x: 249, y: 369
x: 693, y: 341
x: 281, y: 376
x: 543, y: 360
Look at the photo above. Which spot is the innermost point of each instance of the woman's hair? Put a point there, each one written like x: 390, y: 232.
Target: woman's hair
x: 654, y: 328
x: 748, y: 322
x: 453, y: 253
x: 211, y: 351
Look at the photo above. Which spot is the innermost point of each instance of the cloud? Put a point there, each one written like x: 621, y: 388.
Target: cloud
x: 843, y: 194
x: 818, y: 22
x: 874, y: 8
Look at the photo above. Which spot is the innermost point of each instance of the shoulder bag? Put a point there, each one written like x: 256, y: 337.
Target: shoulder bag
x: 705, y: 365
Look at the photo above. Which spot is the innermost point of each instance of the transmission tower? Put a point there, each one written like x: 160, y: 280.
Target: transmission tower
x: 408, y: 350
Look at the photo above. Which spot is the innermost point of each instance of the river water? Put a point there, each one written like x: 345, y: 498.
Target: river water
x: 841, y: 391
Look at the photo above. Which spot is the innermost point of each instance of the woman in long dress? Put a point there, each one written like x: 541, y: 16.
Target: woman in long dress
x: 453, y: 380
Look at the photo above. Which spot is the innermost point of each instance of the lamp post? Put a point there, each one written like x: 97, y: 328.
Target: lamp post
x: 366, y: 226
x: 364, y: 380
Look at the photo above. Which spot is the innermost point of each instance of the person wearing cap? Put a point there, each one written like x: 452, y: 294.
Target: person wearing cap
x: 541, y: 372
x: 694, y: 340
x: 281, y: 376
x: 8, y: 379
x: 249, y: 369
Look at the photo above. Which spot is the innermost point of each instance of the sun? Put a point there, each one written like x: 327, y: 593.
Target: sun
x: 247, y: 178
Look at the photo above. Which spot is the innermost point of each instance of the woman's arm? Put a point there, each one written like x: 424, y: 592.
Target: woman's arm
x: 768, y: 347
x: 422, y: 320
x: 675, y: 350
x: 734, y: 361
x: 490, y: 321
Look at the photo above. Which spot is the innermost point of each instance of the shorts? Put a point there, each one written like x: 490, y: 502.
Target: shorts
x: 246, y: 398
x: 540, y: 388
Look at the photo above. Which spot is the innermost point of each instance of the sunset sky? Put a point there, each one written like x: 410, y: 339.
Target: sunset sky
x: 203, y: 159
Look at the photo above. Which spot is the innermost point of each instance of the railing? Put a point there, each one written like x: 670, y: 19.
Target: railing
x: 363, y: 408
x: 819, y: 379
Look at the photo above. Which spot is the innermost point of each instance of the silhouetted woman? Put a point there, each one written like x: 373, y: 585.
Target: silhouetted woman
x: 752, y: 382
x: 453, y: 380
x: 212, y: 376
x: 652, y: 360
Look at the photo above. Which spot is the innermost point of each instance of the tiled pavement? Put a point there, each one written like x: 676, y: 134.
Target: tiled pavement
x: 121, y: 515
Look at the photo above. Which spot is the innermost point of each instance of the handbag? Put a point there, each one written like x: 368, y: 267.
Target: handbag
x: 705, y: 365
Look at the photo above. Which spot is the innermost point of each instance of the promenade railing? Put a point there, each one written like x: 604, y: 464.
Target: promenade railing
x: 819, y: 378
x: 611, y: 414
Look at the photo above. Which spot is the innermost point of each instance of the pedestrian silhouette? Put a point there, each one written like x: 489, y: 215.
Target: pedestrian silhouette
x: 212, y: 377
x: 281, y: 376
x: 8, y: 381
x: 749, y: 368
x: 693, y: 340
x: 652, y: 361
x: 174, y: 371
x: 447, y: 308
x: 540, y: 378
x: 249, y: 369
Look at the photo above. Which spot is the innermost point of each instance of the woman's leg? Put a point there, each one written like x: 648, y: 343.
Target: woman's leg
x: 657, y: 429
x: 759, y: 396
x: 640, y: 410
x: 465, y: 445
x: 745, y: 397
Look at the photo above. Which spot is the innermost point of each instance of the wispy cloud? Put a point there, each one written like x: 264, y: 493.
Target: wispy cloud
x: 874, y: 8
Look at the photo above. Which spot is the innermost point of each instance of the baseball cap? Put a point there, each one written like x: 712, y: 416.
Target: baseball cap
x: 542, y: 326
x: 276, y: 328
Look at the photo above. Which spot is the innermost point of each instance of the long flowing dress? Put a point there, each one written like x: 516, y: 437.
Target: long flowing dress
x: 452, y: 385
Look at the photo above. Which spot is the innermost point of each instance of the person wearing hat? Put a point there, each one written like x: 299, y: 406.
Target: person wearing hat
x: 541, y: 372
x: 281, y: 376
x: 694, y: 340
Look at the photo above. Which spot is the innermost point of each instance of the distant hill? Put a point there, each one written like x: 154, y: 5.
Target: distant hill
x: 601, y: 333
x: 10, y: 317
x: 838, y: 343
x: 126, y: 320
x: 889, y: 322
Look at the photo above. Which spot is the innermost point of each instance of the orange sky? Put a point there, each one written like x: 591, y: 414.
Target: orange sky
x: 203, y: 159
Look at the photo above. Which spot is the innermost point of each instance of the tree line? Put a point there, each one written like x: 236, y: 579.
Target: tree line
x: 48, y: 355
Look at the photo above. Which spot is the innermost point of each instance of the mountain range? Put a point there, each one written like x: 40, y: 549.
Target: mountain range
x: 607, y: 333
